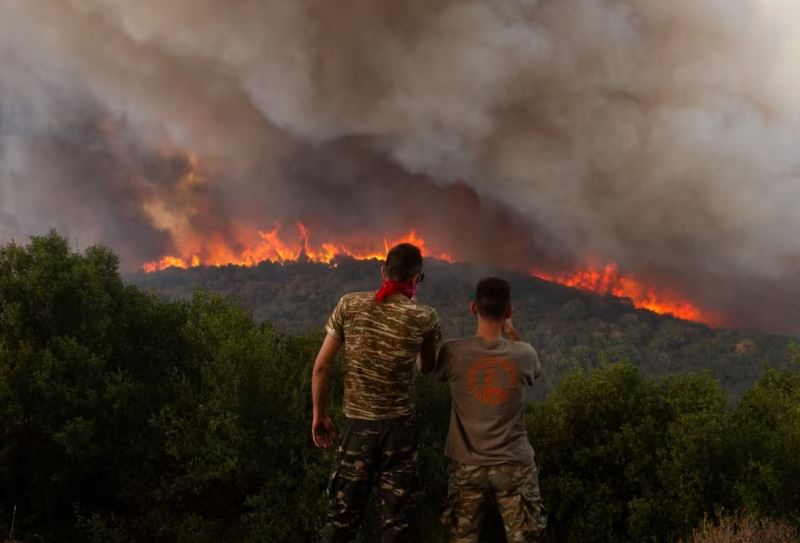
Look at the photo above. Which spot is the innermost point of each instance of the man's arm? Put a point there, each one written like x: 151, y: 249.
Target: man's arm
x: 427, y: 356
x: 535, y: 369
x: 510, y: 332
x: 323, y: 431
x: 441, y: 371
x: 537, y: 365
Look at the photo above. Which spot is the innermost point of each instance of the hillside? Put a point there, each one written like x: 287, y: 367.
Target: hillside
x: 571, y: 329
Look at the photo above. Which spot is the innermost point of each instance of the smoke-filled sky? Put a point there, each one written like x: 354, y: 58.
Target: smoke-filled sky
x: 659, y: 135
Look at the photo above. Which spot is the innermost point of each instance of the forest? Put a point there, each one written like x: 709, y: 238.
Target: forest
x: 135, y: 413
x: 571, y: 329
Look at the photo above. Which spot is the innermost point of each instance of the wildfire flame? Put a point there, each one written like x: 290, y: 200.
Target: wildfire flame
x: 608, y: 280
x: 273, y: 246
x: 279, y: 246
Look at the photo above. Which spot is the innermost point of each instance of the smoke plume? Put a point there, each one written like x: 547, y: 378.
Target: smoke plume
x: 661, y: 136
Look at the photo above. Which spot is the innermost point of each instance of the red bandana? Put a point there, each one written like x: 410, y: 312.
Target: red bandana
x: 393, y: 287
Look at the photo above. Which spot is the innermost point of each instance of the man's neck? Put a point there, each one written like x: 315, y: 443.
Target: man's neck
x: 490, y: 330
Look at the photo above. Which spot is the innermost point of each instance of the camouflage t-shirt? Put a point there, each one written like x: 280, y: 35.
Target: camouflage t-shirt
x: 381, y: 343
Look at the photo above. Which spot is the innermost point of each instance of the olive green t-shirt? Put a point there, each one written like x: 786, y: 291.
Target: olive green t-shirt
x: 381, y: 344
x: 487, y: 385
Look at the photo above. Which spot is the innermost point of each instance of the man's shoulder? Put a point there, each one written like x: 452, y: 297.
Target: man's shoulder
x: 360, y: 295
x: 357, y: 297
x: 367, y: 298
x: 363, y: 300
x: 523, y: 347
x: 424, y: 309
x: 458, y: 342
x: 414, y: 308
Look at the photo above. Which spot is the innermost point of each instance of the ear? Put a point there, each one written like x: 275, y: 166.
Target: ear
x: 509, y: 311
x: 474, y: 308
x: 383, y: 272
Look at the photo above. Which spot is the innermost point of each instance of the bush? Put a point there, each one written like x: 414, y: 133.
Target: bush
x: 624, y: 458
x: 745, y: 529
x: 768, y: 426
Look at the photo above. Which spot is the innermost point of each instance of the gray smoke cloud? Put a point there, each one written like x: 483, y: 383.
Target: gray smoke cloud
x: 549, y: 133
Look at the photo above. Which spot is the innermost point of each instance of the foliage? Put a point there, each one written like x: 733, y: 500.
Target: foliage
x: 745, y: 529
x: 622, y: 457
x: 768, y: 421
x: 571, y: 329
x: 125, y: 417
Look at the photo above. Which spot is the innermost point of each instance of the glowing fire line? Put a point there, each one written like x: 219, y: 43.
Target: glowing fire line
x: 608, y: 280
x: 273, y: 246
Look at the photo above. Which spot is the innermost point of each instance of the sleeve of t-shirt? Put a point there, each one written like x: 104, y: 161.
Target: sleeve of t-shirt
x: 442, y: 369
x: 533, y: 368
x: 433, y: 332
x: 335, y: 325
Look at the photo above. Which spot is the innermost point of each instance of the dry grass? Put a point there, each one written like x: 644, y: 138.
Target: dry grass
x: 745, y: 529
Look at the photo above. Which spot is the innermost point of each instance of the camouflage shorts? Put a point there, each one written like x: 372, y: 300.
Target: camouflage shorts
x: 380, y: 453
x: 515, y: 489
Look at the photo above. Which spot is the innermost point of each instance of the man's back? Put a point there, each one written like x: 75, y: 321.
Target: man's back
x: 487, y: 383
x: 492, y: 459
x: 383, y: 333
x: 381, y: 342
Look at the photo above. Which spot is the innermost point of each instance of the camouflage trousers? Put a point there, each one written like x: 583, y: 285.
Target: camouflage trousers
x: 382, y: 452
x: 515, y: 489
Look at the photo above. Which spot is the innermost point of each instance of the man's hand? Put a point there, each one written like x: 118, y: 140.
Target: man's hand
x: 323, y: 432
x: 509, y: 331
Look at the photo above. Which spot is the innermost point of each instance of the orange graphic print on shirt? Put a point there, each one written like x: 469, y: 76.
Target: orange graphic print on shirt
x: 492, y: 381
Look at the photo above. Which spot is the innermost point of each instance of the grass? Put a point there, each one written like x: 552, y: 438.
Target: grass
x: 741, y: 528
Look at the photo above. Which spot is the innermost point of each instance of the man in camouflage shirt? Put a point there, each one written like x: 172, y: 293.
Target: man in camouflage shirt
x: 383, y: 334
x: 492, y: 458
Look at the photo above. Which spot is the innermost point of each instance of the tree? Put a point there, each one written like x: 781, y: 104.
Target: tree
x: 624, y: 458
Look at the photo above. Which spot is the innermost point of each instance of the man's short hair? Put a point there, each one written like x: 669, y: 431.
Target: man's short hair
x: 403, y: 262
x: 493, y: 298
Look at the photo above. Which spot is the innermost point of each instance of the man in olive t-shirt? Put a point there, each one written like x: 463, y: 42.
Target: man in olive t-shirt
x: 487, y: 441
x: 383, y: 333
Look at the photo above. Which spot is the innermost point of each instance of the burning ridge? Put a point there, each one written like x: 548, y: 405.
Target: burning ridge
x: 279, y: 246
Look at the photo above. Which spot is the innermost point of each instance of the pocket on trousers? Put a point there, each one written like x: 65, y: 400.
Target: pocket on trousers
x: 341, y: 450
x: 531, y: 502
x: 332, y: 481
x: 448, y: 515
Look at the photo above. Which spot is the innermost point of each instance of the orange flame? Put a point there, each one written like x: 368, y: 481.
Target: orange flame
x: 271, y: 246
x: 274, y: 246
x: 609, y: 280
x: 244, y: 248
x: 167, y: 262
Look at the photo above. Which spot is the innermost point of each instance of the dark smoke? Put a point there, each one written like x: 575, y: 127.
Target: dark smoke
x: 658, y: 135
